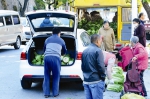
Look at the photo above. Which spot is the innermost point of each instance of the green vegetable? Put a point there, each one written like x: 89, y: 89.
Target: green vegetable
x: 117, y: 70
x: 118, y: 80
x: 66, y: 59
x: 115, y: 87
x: 34, y: 61
x: 70, y: 62
x: 38, y: 57
x: 118, y: 75
x: 38, y: 63
x: 62, y: 63
x: 62, y: 57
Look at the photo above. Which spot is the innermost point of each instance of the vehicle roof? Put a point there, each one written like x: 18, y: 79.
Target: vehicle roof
x: 7, y: 12
x: 51, y: 11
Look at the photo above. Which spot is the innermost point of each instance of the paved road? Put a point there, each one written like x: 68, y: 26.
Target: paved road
x: 10, y: 87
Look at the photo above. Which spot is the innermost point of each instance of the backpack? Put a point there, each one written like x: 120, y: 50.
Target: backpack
x: 133, y: 82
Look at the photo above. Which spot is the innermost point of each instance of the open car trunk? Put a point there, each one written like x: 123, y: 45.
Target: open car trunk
x: 35, y: 53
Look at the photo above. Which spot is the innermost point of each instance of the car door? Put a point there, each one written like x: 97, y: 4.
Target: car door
x: 2, y: 30
x: 9, y: 33
x: 17, y: 27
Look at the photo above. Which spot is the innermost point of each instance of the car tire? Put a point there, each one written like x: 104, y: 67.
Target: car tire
x: 26, y: 84
x: 17, y: 44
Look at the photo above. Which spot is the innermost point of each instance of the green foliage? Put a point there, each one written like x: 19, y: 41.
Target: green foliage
x: 58, y: 3
x: 92, y: 27
x: 39, y: 5
x: 15, y: 8
x: 146, y: 1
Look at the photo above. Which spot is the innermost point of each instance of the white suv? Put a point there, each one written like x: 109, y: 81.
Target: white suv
x: 76, y: 41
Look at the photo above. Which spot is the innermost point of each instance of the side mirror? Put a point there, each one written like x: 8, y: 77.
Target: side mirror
x: 1, y: 24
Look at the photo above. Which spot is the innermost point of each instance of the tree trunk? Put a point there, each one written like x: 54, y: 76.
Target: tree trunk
x: 22, y: 10
x: 147, y: 8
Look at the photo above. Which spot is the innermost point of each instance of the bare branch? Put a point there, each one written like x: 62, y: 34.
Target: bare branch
x: 20, y: 3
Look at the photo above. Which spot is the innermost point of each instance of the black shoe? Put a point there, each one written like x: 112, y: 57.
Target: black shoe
x: 56, y: 95
x: 46, y: 96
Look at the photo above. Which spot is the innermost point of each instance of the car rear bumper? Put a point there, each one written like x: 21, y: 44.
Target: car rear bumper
x: 39, y: 78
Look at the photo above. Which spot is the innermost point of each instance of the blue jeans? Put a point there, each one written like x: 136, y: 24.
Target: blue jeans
x: 94, y: 91
x: 51, y: 64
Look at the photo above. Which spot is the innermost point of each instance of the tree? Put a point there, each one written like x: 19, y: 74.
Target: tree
x: 57, y: 3
x: 146, y: 6
x: 39, y: 4
x: 23, y: 8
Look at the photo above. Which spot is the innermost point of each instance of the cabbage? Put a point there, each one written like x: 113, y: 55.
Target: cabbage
x: 70, y: 61
x: 38, y: 63
x: 132, y: 96
x: 62, y: 63
x: 118, y: 80
x: 66, y: 59
x: 34, y: 61
x: 117, y: 70
x: 115, y: 87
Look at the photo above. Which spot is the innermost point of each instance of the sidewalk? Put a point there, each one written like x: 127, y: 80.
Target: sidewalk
x: 115, y: 95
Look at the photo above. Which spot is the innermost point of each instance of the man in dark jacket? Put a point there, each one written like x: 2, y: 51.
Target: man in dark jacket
x: 52, y: 62
x: 93, y: 69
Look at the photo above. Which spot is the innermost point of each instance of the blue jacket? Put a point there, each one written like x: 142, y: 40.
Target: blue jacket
x: 54, y: 45
x: 93, y: 64
x: 46, y: 23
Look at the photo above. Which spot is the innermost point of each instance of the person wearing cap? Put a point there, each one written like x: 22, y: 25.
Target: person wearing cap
x: 53, y: 47
x: 141, y: 56
x: 139, y: 31
x: 142, y: 18
x: 108, y: 37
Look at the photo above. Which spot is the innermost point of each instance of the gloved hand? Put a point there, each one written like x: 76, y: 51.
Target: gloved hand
x: 111, y: 81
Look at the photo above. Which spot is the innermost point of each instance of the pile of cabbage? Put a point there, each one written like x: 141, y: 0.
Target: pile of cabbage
x: 66, y: 60
x: 118, y: 78
x: 39, y: 59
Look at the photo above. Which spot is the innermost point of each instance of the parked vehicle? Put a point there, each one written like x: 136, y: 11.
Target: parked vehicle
x: 76, y: 41
x: 10, y: 28
x: 26, y: 30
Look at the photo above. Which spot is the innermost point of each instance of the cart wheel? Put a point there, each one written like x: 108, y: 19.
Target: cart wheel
x: 122, y: 93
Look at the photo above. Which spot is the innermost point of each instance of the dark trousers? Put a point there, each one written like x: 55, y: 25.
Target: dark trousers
x: 51, y: 64
x: 143, y: 86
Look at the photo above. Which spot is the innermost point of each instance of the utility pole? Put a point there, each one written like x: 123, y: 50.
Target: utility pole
x: 134, y: 14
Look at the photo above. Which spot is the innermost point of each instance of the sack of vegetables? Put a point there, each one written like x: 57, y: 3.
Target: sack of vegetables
x: 118, y: 79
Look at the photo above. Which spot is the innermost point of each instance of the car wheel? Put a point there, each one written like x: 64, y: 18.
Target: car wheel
x: 26, y: 84
x: 17, y: 43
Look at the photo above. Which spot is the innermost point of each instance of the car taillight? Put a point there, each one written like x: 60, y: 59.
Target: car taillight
x: 79, y: 55
x: 23, y: 56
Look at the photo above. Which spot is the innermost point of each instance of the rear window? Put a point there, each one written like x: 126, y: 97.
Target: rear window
x: 85, y: 39
x: 47, y: 21
x: 16, y: 19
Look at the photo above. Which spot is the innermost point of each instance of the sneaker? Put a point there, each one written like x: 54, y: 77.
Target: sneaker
x: 47, y: 96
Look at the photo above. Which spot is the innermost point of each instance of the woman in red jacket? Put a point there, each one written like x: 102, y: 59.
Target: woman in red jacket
x: 140, y: 54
